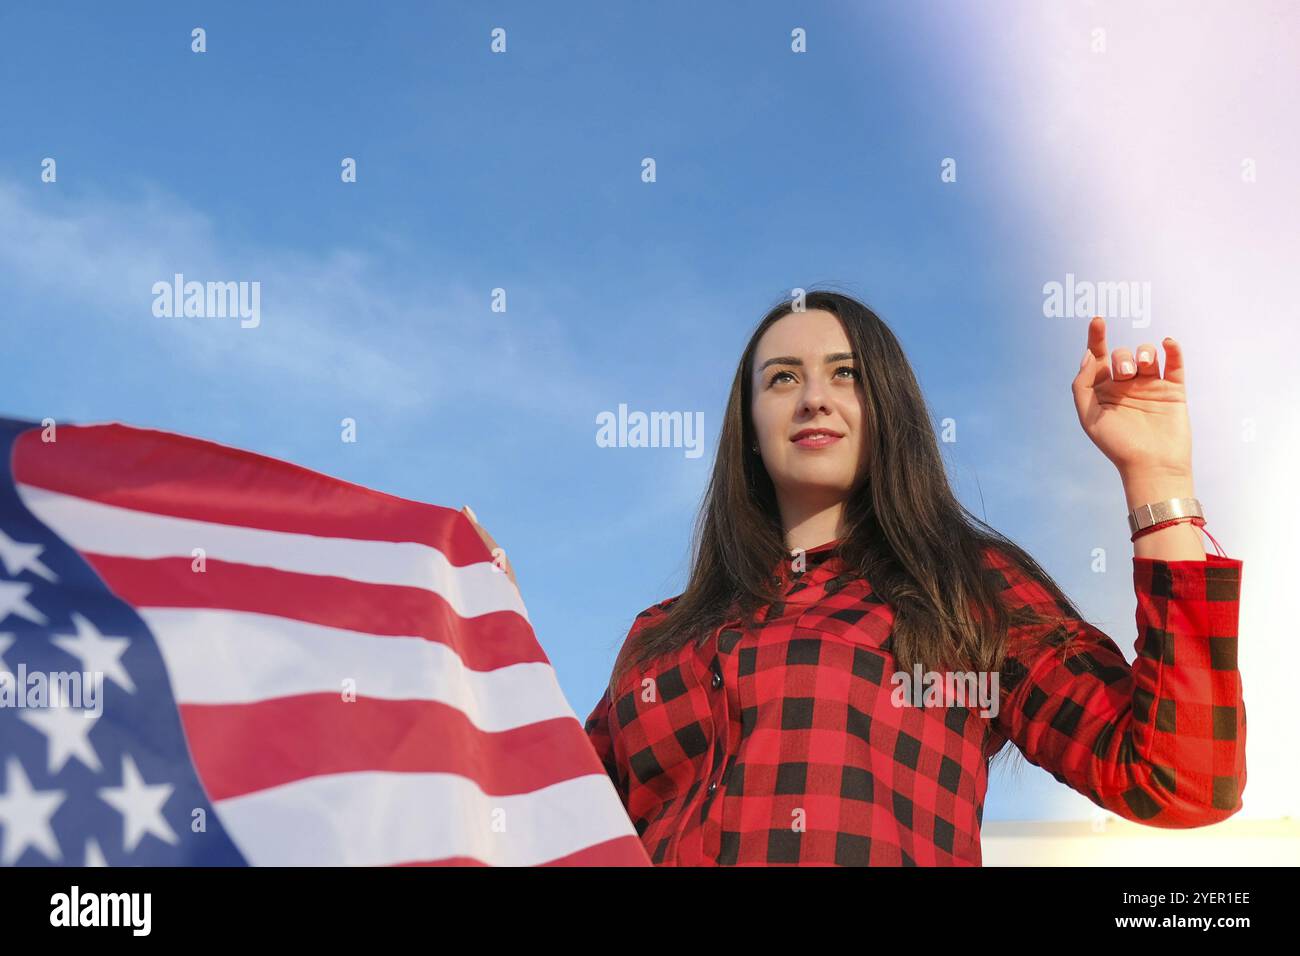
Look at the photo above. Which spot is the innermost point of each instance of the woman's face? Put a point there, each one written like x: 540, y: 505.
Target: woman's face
x: 809, y: 409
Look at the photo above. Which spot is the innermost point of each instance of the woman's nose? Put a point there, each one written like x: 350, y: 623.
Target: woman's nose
x: 813, y: 397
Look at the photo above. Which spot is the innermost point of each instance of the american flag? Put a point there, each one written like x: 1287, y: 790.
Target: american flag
x: 295, y: 671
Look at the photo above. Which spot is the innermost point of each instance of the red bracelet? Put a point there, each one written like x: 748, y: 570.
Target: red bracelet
x: 1199, y: 522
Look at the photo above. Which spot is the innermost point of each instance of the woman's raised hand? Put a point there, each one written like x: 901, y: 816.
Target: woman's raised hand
x: 1136, y: 416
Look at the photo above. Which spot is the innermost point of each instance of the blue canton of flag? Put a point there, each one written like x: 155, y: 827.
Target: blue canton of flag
x: 80, y: 788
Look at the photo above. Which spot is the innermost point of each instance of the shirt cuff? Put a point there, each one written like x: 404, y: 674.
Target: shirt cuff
x: 1215, y: 579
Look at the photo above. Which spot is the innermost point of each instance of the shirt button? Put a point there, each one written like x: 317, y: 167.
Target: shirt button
x: 713, y: 786
x: 717, y: 680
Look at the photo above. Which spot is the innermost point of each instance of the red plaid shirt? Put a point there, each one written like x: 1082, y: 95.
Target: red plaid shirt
x: 780, y: 744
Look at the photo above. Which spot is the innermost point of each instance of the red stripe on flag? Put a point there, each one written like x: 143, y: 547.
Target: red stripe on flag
x: 243, y: 748
x: 186, y: 477
x: 484, y: 643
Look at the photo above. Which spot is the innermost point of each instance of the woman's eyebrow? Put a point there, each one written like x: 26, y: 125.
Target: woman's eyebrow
x: 791, y: 360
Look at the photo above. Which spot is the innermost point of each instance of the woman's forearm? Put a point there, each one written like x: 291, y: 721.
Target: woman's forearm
x: 1179, y: 542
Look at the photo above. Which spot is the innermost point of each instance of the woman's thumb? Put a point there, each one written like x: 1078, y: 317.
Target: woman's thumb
x: 486, y: 538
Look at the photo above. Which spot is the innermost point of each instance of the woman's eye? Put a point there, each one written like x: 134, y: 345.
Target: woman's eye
x: 853, y: 374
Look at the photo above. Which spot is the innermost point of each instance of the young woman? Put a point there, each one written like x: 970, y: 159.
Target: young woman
x: 773, y: 712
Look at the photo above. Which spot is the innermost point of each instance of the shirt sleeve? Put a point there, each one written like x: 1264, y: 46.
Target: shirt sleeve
x: 1160, y: 742
x: 598, y: 732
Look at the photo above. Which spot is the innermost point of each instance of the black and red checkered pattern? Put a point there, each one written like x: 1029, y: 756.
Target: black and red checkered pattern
x: 782, y: 743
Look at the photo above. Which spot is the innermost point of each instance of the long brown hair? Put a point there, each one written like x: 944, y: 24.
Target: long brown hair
x: 905, y: 531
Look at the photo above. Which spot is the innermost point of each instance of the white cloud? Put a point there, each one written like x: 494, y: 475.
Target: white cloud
x: 343, y: 324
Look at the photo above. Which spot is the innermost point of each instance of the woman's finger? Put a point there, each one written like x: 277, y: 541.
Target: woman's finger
x: 499, y: 559
x: 1097, y: 337
x: 1173, y: 362
x: 1147, y: 363
x: 1122, y: 366
x: 468, y: 512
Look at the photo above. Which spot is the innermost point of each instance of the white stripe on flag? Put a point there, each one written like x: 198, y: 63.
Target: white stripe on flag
x: 378, y: 819
x: 236, y: 657
x: 95, y: 528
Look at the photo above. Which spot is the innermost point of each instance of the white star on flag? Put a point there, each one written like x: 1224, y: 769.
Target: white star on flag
x: 67, y: 731
x: 26, y: 814
x: 140, y: 805
x: 18, y: 557
x: 94, y: 855
x: 98, y: 654
x: 13, y: 600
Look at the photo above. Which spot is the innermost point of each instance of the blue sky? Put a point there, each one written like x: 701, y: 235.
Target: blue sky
x: 522, y: 171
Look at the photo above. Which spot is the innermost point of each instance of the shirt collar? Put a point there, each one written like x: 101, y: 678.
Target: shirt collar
x: 812, y: 558
x: 822, y: 551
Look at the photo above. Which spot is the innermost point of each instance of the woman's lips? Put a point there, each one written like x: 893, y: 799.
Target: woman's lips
x: 817, y: 441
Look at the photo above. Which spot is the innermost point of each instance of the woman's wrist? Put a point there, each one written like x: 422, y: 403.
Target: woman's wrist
x: 1176, y: 542
x: 1147, y: 486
